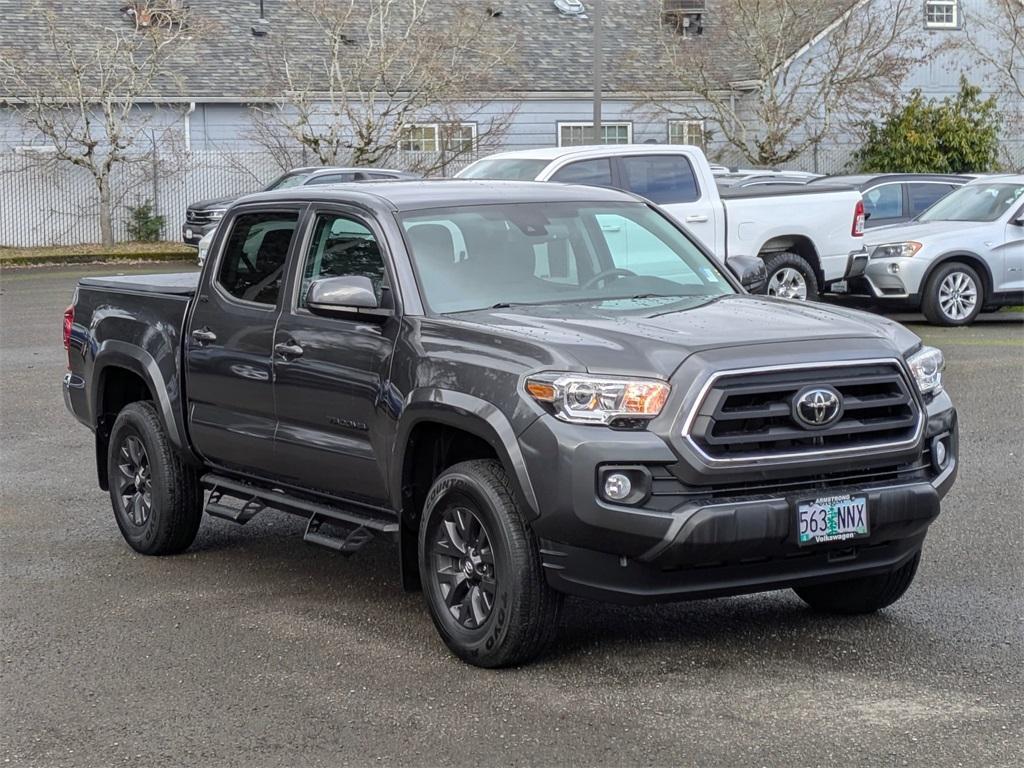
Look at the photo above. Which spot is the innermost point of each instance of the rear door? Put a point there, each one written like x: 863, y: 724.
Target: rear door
x: 229, y: 340
x: 332, y: 373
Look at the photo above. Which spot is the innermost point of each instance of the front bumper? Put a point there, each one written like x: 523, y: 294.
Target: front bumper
x: 193, y: 233
x: 693, y: 546
x: 897, y: 279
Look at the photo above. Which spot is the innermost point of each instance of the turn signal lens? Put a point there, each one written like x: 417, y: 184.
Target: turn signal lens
x: 598, y: 400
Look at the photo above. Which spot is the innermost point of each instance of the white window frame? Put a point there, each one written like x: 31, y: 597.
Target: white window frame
x: 439, y: 138
x: 688, y: 126
x: 590, y: 124
x: 944, y: 5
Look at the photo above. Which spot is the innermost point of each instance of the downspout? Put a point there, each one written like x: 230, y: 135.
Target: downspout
x: 188, y: 127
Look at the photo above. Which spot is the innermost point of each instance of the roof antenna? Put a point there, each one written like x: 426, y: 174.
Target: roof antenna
x: 262, y: 26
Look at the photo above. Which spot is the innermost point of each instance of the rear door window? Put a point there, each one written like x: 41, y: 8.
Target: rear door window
x: 331, y: 178
x: 253, y: 264
x: 923, y: 196
x: 660, y: 178
x: 884, y: 202
x: 594, y: 173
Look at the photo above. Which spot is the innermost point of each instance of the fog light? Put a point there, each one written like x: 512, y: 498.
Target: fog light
x: 894, y: 269
x: 617, y: 487
x: 940, y: 453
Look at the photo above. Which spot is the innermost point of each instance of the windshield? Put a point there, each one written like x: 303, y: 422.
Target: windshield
x: 975, y: 202
x: 482, y: 256
x: 507, y: 170
x: 288, y: 180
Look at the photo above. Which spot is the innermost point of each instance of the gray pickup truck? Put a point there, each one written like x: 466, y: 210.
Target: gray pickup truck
x: 534, y: 389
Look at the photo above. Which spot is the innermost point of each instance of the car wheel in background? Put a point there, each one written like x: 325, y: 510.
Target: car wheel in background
x: 157, y: 499
x: 953, y: 295
x: 864, y: 595
x: 790, y: 277
x: 480, y: 569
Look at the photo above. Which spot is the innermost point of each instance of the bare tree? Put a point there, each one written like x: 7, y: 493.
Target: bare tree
x: 996, y: 37
x: 806, y: 66
x: 88, y: 94
x: 375, y: 69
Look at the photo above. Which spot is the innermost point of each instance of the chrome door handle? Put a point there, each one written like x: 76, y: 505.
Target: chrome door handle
x: 204, y: 336
x: 696, y: 218
x: 288, y: 350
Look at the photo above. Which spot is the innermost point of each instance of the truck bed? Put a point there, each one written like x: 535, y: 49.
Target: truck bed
x: 778, y: 190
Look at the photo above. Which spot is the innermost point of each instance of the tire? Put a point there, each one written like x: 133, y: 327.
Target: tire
x: 500, y: 611
x: 948, y: 293
x: 790, y: 277
x: 864, y: 595
x: 141, y: 467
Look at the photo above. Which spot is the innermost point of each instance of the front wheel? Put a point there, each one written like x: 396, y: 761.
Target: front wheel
x: 790, y: 277
x: 864, y: 595
x: 480, y: 569
x: 954, y: 295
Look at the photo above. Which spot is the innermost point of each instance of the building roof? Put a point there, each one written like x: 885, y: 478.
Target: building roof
x: 552, y: 53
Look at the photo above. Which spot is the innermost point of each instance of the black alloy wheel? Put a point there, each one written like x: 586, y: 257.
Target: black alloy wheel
x: 134, y: 481
x: 463, y: 564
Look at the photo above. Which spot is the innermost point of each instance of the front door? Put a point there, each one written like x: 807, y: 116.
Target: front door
x: 332, y: 372
x: 229, y: 342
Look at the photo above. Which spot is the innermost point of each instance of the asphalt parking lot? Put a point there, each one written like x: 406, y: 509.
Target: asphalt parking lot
x: 256, y: 649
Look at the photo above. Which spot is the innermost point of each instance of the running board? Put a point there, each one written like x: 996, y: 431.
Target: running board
x: 347, y: 541
x: 257, y: 498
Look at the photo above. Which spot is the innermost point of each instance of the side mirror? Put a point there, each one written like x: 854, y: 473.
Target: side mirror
x: 1019, y: 221
x: 750, y: 271
x: 341, y: 295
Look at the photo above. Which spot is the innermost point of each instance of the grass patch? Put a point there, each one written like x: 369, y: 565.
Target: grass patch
x: 90, y: 253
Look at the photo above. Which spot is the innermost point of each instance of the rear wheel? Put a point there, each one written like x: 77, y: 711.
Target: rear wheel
x: 480, y: 569
x: 790, y: 277
x: 864, y: 595
x: 953, y: 295
x: 157, y: 499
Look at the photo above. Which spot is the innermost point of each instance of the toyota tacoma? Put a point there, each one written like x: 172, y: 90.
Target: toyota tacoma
x: 536, y: 390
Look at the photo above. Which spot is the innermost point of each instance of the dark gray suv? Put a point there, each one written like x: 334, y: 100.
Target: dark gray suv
x: 535, y: 390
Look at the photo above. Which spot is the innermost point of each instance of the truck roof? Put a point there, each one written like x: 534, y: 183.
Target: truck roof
x: 420, y: 194
x: 594, y: 150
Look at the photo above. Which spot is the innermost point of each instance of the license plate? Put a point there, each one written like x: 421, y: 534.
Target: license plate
x: 839, y: 286
x: 832, y: 518
x: 188, y: 233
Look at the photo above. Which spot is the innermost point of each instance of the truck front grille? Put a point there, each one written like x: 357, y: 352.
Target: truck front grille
x: 197, y: 218
x: 748, y: 416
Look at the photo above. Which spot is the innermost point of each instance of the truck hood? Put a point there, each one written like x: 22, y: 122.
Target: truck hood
x: 215, y: 202
x: 921, y: 231
x: 654, y: 336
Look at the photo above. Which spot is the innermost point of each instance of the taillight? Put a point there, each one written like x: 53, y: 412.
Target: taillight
x: 858, y: 220
x: 69, y: 320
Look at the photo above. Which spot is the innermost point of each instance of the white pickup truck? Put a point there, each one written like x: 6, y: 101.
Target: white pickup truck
x: 808, y: 236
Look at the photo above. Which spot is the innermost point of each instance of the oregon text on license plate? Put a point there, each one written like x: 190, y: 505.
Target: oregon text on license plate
x: 832, y: 518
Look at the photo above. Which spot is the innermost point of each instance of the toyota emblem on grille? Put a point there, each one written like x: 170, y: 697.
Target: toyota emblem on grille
x: 817, y: 407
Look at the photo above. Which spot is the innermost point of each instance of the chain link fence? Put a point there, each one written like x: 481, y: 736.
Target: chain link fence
x: 45, y: 202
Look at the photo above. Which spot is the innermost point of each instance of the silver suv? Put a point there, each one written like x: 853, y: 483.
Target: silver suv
x: 963, y: 255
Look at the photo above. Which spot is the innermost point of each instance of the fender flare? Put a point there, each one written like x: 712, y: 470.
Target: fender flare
x: 119, y: 354
x: 470, y: 414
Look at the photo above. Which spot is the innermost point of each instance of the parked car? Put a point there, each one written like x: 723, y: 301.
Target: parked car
x: 962, y: 256
x: 203, y: 246
x: 529, y: 403
x: 201, y: 218
x: 892, y: 198
x: 806, y: 236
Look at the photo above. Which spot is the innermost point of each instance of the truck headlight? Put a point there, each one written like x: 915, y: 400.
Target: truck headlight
x: 927, y: 365
x: 217, y: 213
x: 581, y: 399
x: 896, y: 250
